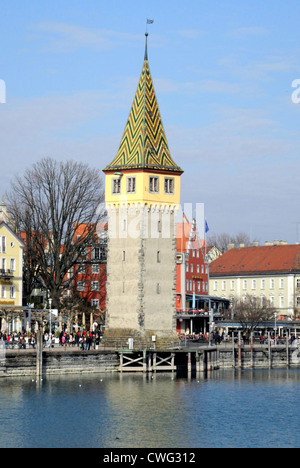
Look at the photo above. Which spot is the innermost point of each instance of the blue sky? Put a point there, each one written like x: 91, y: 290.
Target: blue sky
x: 222, y: 71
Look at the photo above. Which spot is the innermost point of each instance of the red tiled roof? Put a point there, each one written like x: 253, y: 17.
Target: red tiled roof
x: 257, y: 260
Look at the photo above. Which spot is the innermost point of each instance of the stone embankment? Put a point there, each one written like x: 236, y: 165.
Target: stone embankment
x: 61, y: 361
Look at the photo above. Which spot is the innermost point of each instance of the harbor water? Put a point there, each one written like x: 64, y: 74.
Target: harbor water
x: 222, y: 409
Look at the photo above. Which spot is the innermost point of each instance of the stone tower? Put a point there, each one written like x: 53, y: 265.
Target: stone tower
x: 142, y: 194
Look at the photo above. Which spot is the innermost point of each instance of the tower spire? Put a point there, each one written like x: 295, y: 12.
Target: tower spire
x: 146, y: 47
x: 144, y: 144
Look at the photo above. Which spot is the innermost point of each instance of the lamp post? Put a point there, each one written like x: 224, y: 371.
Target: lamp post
x: 50, y: 331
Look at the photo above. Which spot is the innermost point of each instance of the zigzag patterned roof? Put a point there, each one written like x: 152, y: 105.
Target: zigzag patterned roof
x: 144, y: 144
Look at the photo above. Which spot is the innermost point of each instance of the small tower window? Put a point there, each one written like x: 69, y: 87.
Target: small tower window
x: 116, y: 186
x: 154, y: 184
x: 169, y: 186
x: 131, y: 184
x: 158, y: 257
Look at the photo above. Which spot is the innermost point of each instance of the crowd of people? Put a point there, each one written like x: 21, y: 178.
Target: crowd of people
x: 84, y: 340
x: 21, y: 339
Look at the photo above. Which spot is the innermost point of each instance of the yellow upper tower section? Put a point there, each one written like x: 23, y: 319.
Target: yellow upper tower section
x: 143, y: 170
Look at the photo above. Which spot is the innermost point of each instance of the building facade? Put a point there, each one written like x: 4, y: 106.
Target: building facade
x: 142, y: 196
x: 11, y: 273
x: 196, y: 307
x: 11, y: 267
x: 192, y: 270
x: 269, y: 272
x: 89, y: 273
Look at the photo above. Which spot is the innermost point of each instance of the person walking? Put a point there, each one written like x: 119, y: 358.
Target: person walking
x: 32, y: 341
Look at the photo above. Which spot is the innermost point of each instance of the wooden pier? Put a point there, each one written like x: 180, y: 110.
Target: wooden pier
x: 149, y: 360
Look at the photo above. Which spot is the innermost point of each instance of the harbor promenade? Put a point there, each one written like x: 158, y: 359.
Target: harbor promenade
x: 190, y: 359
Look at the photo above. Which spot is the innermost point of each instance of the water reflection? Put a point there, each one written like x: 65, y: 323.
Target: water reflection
x: 220, y: 409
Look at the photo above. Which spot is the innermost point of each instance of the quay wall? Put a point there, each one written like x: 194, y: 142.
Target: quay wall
x: 14, y: 363
x: 258, y: 357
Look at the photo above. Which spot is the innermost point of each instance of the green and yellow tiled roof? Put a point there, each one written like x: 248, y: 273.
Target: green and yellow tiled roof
x: 144, y: 144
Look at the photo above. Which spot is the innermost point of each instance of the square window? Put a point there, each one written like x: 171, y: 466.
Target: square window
x: 81, y: 286
x: 95, y: 269
x: 116, y: 186
x: 169, y: 186
x: 131, y: 181
x: 154, y: 184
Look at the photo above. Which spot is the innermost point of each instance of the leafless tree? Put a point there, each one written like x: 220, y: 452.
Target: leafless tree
x: 242, y: 238
x: 222, y: 241
x: 47, y: 204
x: 250, y: 311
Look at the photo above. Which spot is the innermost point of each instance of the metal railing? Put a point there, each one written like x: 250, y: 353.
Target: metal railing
x: 6, y: 273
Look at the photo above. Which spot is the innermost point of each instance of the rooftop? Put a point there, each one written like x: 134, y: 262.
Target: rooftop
x: 144, y: 143
x: 257, y: 260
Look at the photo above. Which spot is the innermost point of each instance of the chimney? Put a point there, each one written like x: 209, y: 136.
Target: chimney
x: 276, y: 242
x: 255, y: 244
x: 230, y: 246
x: 269, y: 244
x: 283, y: 243
x: 242, y: 246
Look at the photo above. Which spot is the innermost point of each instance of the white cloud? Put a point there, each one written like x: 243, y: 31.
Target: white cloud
x: 63, y: 37
x: 62, y: 127
x: 249, y: 31
x: 191, y: 33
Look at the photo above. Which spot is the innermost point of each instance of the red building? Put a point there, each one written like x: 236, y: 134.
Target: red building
x: 90, y: 271
x: 192, y: 280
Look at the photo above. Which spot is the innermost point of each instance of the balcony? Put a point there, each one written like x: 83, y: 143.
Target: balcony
x: 6, y: 274
x: 192, y: 313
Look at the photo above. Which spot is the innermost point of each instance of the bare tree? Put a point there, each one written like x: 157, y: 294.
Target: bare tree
x: 47, y: 204
x: 250, y: 312
x: 222, y: 241
x: 242, y: 238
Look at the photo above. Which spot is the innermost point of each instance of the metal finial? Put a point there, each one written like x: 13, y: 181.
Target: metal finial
x: 146, y: 47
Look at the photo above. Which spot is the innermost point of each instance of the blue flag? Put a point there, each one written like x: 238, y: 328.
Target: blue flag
x: 206, y: 227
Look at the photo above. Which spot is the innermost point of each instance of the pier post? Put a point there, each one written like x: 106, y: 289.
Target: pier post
x: 154, y: 363
x: 269, y: 350
x: 189, y: 364
x: 233, y: 351
x: 149, y: 362
x: 208, y: 368
x: 173, y: 362
x: 145, y: 361
x: 197, y: 363
x: 251, y: 351
x: 287, y: 352
x: 240, y: 351
x: 39, y: 354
